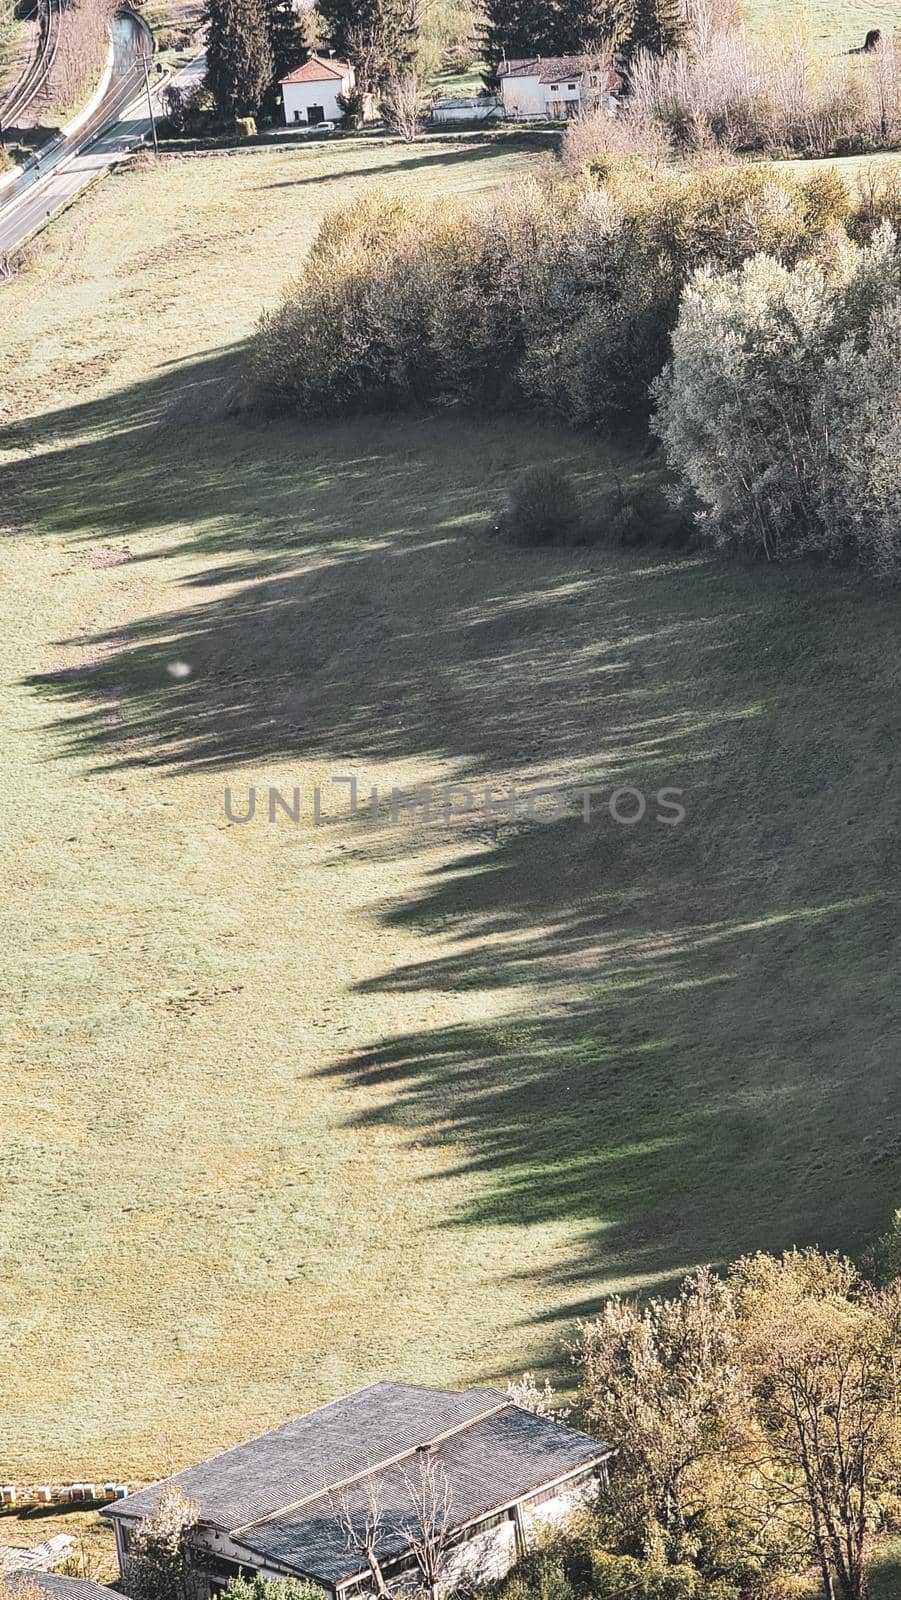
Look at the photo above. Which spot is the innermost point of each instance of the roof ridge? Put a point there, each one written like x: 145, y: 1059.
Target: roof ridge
x: 385, y: 1461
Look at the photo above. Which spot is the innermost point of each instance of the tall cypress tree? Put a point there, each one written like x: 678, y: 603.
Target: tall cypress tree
x: 596, y: 24
x: 659, y: 26
x: 240, y: 65
x: 521, y: 29
x: 287, y: 36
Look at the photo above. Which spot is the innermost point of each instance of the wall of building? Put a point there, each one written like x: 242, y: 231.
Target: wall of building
x: 523, y: 97
x: 298, y: 97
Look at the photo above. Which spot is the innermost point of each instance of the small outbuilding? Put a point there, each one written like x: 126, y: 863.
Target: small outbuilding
x: 476, y: 108
x: 310, y: 93
x: 369, y: 1477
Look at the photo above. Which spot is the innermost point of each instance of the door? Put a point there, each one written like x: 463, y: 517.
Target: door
x: 315, y: 114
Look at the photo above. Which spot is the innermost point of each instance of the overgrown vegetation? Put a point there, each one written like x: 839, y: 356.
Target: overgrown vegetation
x: 561, y: 297
x: 727, y: 90
x: 565, y: 296
x: 755, y: 1416
x: 781, y: 407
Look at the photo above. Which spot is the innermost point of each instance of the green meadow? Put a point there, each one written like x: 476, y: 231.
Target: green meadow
x: 286, y: 1105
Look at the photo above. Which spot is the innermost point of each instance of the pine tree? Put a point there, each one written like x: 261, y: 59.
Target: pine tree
x: 287, y: 36
x: 240, y: 66
x: 658, y: 26
x: 595, y: 24
x: 521, y: 29
x: 377, y: 36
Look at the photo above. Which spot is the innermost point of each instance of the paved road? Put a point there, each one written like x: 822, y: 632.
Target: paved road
x: 119, y: 124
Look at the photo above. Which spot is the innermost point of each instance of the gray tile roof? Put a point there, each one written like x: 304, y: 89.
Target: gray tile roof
x: 55, y: 1585
x: 486, y: 1466
x: 550, y: 69
x: 311, y: 1453
x: 279, y: 1495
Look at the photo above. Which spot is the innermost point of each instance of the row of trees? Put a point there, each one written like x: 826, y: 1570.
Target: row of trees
x: 758, y: 1418
x: 251, y: 45
x: 524, y: 28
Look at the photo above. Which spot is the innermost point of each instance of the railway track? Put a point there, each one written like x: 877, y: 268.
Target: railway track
x: 33, y: 79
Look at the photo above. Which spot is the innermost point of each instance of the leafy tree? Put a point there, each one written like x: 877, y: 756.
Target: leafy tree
x: 160, y: 1555
x: 663, y: 1385
x: 822, y: 1351
x: 240, y: 65
x: 771, y: 365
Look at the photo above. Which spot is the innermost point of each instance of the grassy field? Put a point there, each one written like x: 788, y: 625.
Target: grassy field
x: 287, y: 1107
x: 838, y: 24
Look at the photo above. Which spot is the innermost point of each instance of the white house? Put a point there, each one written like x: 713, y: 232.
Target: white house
x: 474, y: 1467
x: 310, y: 93
x: 555, y: 87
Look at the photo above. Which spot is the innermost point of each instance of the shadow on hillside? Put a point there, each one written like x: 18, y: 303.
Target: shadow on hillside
x: 680, y: 1041
x: 419, y: 163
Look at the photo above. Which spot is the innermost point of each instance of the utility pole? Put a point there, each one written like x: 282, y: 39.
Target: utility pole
x: 156, y: 148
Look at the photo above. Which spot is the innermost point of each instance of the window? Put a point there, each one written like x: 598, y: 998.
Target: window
x: 570, y: 86
x: 593, y: 80
x: 554, y: 88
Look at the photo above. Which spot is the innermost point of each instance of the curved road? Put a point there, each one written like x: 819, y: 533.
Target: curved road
x: 120, y: 122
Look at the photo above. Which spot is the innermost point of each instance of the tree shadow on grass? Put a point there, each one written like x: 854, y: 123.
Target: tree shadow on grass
x: 672, y: 1043
x: 427, y: 158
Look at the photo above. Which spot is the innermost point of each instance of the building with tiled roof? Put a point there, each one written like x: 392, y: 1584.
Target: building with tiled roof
x: 311, y: 94
x: 556, y: 87
x: 297, y: 1501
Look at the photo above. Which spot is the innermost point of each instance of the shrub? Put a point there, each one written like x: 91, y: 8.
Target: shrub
x: 888, y: 1252
x: 542, y: 508
x: 781, y: 407
x: 260, y: 1588
x: 562, y: 298
x: 245, y: 127
x: 614, y: 1577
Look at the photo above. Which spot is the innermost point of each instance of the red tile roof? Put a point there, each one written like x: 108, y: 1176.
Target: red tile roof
x: 317, y: 70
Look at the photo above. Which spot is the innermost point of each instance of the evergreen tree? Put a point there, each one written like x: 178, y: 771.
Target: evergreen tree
x: 658, y: 26
x: 595, y: 24
x: 240, y: 66
x: 377, y: 36
x: 287, y: 36
x: 519, y: 29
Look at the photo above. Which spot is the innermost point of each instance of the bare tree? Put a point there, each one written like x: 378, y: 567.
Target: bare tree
x: 365, y: 1534
x: 403, y: 104
x: 426, y: 1529
x: 368, y: 56
x: 423, y: 1528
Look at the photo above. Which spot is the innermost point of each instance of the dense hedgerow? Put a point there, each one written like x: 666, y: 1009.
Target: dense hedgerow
x: 561, y: 298
x: 781, y: 407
